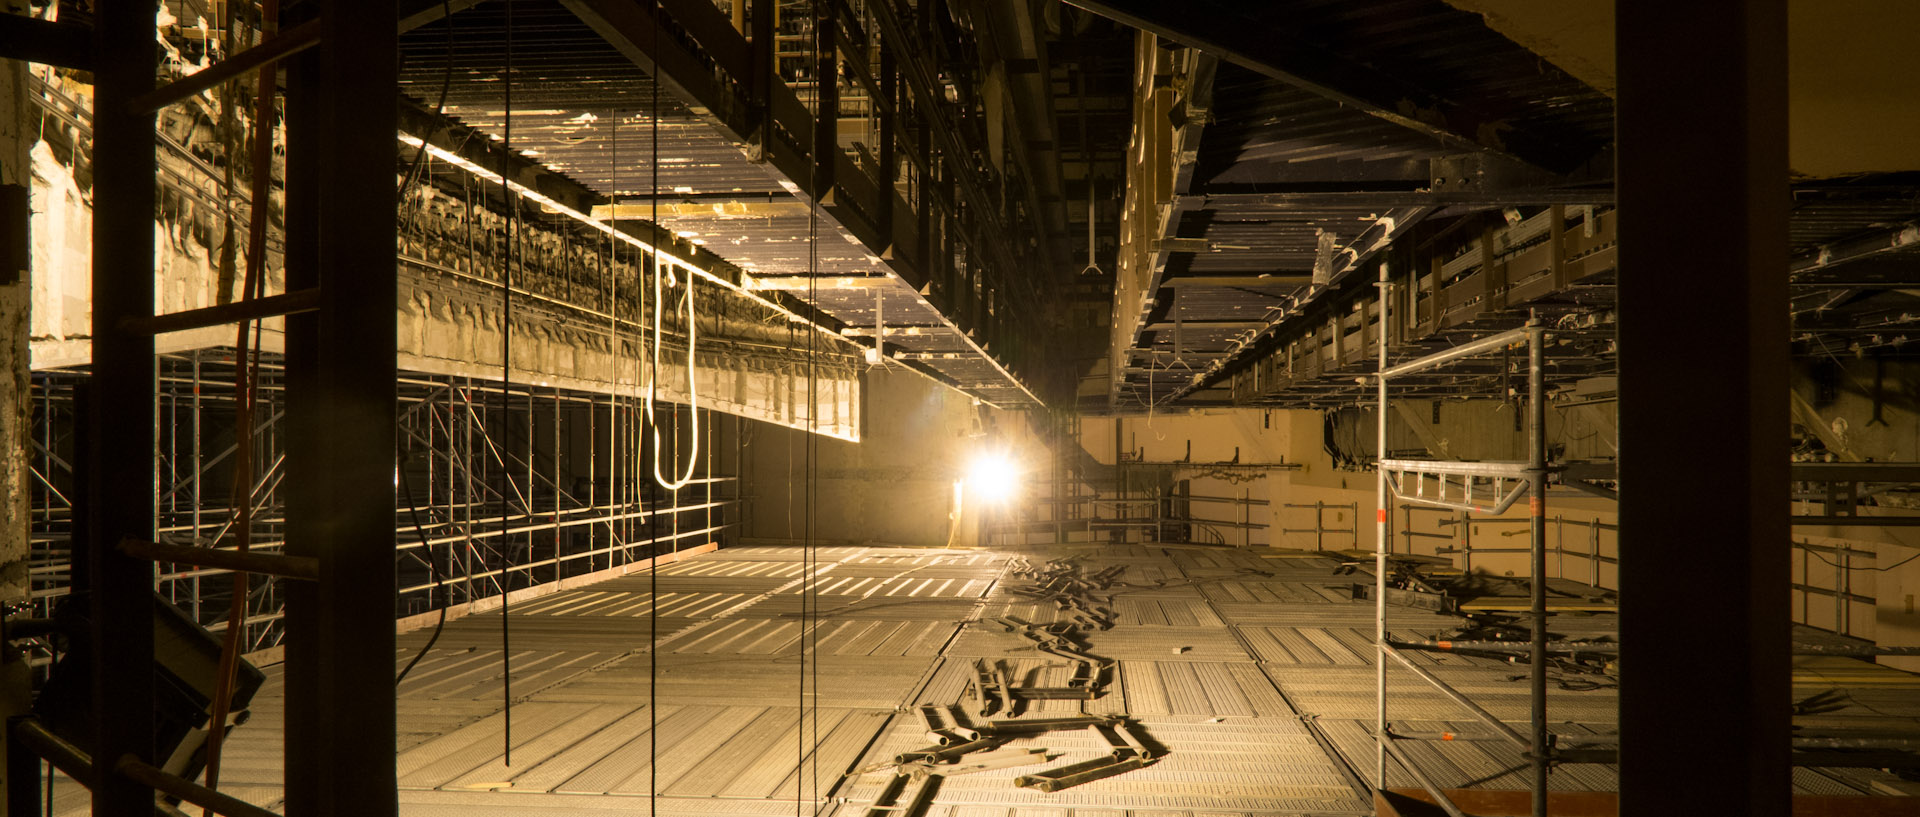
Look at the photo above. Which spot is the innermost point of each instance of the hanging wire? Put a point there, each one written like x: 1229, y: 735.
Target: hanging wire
x: 415, y: 172
x: 506, y: 379
x: 653, y: 536
x: 246, y: 378
x: 810, y: 653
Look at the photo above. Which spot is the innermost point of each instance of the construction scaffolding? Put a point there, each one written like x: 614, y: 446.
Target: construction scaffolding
x: 567, y: 511
x: 1501, y: 485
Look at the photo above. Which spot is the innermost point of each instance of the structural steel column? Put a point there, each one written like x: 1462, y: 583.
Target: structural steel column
x: 306, y: 438
x: 342, y: 154
x: 1703, y: 409
x: 121, y: 490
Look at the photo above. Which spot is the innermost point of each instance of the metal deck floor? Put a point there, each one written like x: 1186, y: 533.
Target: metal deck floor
x: 1249, y: 666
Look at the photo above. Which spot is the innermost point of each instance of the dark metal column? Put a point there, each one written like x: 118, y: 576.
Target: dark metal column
x: 341, y: 364
x: 826, y: 133
x: 121, y: 489
x: 306, y: 437
x: 1703, y: 409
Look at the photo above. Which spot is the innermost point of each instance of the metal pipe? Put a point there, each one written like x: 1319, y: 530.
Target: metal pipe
x: 1483, y: 715
x: 1511, y: 646
x: 1486, y: 344
x: 1380, y: 489
x: 68, y: 758
x: 1439, y: 797
x: 133, y: 769
x: 292, y: 567
x: 1537, y: 511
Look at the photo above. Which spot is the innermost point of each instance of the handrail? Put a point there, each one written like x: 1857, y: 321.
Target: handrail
x: 1486, y: 344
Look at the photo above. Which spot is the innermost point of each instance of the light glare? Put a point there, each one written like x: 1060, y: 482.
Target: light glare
x: 993, y: 477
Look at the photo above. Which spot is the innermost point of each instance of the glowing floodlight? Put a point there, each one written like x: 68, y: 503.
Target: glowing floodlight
x: 993, y: 477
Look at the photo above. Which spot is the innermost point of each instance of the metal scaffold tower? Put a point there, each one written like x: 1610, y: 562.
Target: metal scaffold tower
x: 1501, y: 485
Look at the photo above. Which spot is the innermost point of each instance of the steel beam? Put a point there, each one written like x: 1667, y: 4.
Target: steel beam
x: 65, y: 44
x: 341, y: 404
x: 1219, y: 27
x: 1702, y: 136
x: 121, y: 483
x: 1314, y: 201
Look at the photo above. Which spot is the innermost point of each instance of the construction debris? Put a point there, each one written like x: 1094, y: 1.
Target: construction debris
x: 1080, y: 596
x: 1129, y: 753
x: 960, y: 748
x: 992, y: 691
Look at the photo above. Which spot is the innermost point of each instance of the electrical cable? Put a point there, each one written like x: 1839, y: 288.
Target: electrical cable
x: 439, y: 579
x: 247, y: 372
x: 1831, y: 563
x: 408, y: 180
x: 693, y: 379
x: 827, y: 72
x: 506, y: 380
x: 653, y: 520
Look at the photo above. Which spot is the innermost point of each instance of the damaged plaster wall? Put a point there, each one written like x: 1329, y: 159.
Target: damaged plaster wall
x: 750, y: 359
x: 189, y: 227
x: 452, y: 329
x: 16, y: 499
x: 15, y: 400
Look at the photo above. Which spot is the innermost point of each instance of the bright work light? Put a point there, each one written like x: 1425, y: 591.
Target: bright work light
x: 993, y: 477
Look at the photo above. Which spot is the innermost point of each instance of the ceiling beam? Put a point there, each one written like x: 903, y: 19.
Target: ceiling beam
x: 1265, y: 280
x: 1161, y: 326
x: 1220, y: 28
x: 1318, y: 200
x: 30, y: 39
x: 896, y: 331
x: 801, y: 283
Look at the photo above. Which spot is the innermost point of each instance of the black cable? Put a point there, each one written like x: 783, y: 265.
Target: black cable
x: 1831, y: 563
x: 825, y: 72
x: 439, y: 579
x: 506, y: 379
x: 653, y: 533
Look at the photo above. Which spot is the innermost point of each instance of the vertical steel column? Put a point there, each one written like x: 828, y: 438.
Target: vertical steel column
x: 342, y: 390
x: 1379, y: 546
x: 121, y: 490
x: 826, y: 114
x: 889, y: 135
x: 1537, y: 515
x: 306, y: 444
x: 762, y: 67
x: 1703, y: 194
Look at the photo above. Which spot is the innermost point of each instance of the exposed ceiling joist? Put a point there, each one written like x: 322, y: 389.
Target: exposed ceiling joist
x: 1283, y: 280
x: 1223, y: 29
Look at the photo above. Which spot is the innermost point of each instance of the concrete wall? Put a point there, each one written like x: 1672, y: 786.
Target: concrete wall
x: 1204, y: 442
x: 896, y: 485
x: 15, y: 402
x: 15, y: 405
